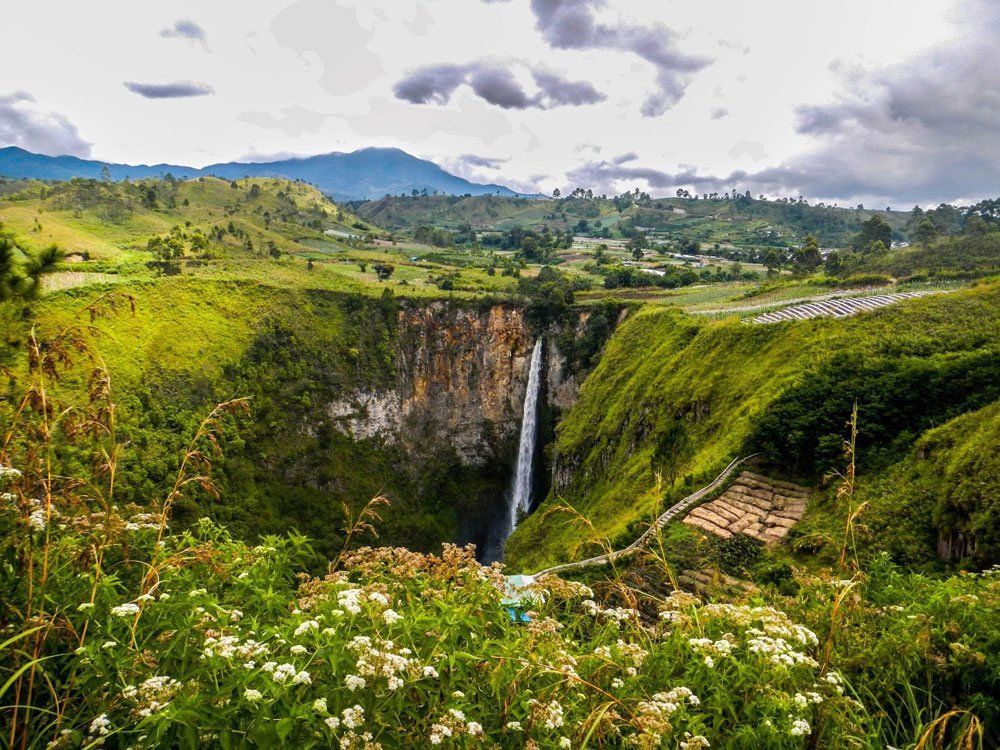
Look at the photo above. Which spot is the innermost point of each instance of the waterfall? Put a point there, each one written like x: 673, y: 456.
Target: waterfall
x: 520, y: 495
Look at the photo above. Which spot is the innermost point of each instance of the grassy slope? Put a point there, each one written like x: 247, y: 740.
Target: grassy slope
x: 950, y: 480
x: 111, y: 222
x: 289, y: 347
x: 721, y: 379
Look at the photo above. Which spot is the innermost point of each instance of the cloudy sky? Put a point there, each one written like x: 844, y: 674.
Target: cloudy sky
x: 892, y: 101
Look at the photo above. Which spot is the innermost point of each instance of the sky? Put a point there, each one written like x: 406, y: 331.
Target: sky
x: 888, y: 102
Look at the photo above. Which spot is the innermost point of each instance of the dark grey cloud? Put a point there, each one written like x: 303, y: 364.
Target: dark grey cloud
x: 431, y: 85
x: 556, y: 91
x: 604, y: 176
x: 922, y: 131
x: 719, y: 112
x: 21, y: 124
x: 494, y: 83
x: 483, y: 162
x: 175, y: 90
x: 926, y: 129
x: 185, y: 28
x: 572, y: 24
x: 499, y: 87
x: 625, y: 158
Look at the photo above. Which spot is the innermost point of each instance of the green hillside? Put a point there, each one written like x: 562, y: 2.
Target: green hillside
x: 740, y: 222
x: 715, y: 390
x: 172, y: 301
x: 113, y: 221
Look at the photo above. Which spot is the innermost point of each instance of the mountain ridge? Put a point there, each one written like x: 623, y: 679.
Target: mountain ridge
x: 366, y: 173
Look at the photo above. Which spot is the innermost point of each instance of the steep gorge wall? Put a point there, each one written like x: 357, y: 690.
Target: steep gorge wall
x: 460, y: 376
x: 449, y: 412
x: 349, y: 397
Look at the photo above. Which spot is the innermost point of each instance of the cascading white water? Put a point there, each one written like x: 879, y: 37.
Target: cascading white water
x: 520, y: 495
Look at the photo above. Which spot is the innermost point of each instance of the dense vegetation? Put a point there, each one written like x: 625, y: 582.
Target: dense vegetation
x: 124, y: 633
x: 718, y: 389
x: 153, y: 594
x: 736, y: 219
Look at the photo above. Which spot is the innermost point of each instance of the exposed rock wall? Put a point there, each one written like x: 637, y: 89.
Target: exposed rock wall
x: 460, y: 380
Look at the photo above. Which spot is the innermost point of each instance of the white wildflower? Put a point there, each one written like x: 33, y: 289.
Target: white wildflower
x: 306, y: 626
x: 125, y: 610
x: 100, y: 725
x: 697, y: 742
x: 354, y: 682
x: 799, y: 728
x: 319, y: 705
x: 378, y: 597
x: 353, y: 717
x: 439, y: 733
x: 252, y: 695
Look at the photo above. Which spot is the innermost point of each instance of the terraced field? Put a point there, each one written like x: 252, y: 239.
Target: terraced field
x: 754, y: 505
x: 836, y: 308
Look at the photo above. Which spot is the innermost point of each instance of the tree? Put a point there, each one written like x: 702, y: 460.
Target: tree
x: 556, y: 193
x: 24, y: 282
x: 807, y: 258
x: 872, y: 231
x: 925, y: 232
x: 772, y: 260
x: 383, y: 270
x: 834, y: 265
x: 637, y: 253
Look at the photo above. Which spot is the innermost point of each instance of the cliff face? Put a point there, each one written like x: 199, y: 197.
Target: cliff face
x: 460, y: 382
x: 450, y: 413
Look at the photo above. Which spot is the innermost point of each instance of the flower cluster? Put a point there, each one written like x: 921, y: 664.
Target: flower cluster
x: 282, y: 673
x: 152, y: 695
x: 453, y: 724
x: 549, y: 715
x: 377, y: 657
x: 230, y: 646
x: 653, y: 715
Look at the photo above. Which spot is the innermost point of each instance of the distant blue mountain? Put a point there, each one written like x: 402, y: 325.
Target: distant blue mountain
x: 357, y: 175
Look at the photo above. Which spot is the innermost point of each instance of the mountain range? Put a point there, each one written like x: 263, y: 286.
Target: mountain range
x: 357, y: 175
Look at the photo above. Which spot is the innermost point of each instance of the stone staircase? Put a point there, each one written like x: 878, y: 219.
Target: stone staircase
x: 755, y: 505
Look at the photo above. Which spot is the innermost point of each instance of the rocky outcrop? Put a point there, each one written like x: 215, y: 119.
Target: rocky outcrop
x: 460, y: 379
x: 754, y: 505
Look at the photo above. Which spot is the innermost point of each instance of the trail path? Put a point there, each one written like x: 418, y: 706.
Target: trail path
x: 666, y: 517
